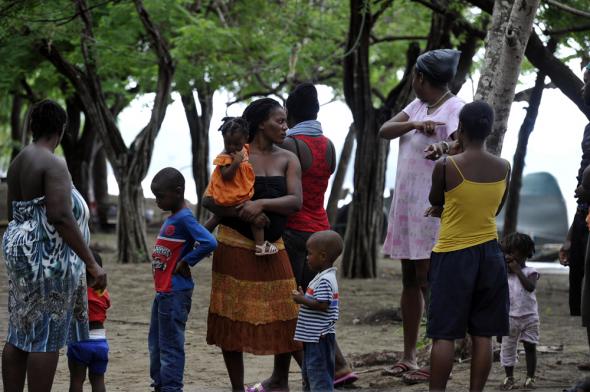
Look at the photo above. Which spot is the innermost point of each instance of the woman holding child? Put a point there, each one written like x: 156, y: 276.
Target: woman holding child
x: 46, y: 251
x: 427, y: 124
x: 251, y: 308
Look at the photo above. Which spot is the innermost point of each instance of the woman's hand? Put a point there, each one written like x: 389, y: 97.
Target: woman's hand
x: 98, y: 276
x: 427, y: 127
x: 434, y: 211
x: 564, y: 253
x: 435, y: 150
x: 250, y: 210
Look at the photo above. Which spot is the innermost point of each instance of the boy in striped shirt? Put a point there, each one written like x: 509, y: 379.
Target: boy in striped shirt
x: 316, y: 325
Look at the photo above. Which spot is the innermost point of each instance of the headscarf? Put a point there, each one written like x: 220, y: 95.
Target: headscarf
x: 440, y: 65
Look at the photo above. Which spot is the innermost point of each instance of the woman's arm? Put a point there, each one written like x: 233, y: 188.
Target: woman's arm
x: 58, y: 200
x: 285, y: 205
x: 437, y: 190
x: 225, y: 212
x: 505, y: 190
x: 396, y: 126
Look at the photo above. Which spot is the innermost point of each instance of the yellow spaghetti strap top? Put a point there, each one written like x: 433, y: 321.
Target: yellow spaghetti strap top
x: 469, y: 215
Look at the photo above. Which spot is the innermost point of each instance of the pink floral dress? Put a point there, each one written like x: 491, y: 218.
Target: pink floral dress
x: 410, y: 235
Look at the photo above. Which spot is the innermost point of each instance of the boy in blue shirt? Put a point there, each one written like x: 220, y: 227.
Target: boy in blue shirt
x: 316, y: 324
x: 181, y: 243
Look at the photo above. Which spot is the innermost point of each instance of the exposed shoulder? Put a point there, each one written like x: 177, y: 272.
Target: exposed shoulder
x: 282, y: 152
x: 288, y: 144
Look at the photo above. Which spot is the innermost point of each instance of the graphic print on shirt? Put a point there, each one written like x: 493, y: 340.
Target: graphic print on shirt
x: 166, y: 254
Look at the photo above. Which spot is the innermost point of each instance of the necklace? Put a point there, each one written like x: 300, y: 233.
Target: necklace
x: 438, y: 101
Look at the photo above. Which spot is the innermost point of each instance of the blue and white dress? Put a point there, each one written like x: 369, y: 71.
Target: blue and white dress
x: 47, y: 302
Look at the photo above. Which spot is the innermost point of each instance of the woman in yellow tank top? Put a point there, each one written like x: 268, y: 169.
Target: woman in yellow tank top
x: 468, y: 281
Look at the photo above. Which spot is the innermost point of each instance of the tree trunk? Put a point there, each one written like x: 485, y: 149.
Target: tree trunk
x: 506, y: 42
x: 545, y: 61
x: 365, y: 216
x: 337, y: 184
x: 527, y: 127
x: 101, y: 187
x: 16, y: 128
x: 131, y: 228
x: 199, y: 129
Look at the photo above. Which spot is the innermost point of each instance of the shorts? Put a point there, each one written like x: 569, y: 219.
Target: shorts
x: 522, y: 329
x: 468, y: 293
x: 94, y: 354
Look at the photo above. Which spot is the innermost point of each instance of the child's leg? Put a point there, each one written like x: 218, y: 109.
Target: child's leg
x: 508, y: 354
x: 77, y: 375
x: 97, y: 382
x: 14, y: 368
x: 154, y: 344
x: 316, y: 366
x: 481, y: 362
x: 258, y: 234
x: 441, y: 363
x: 530, y: 351
x: 212, y: 222
x: 173, y: 313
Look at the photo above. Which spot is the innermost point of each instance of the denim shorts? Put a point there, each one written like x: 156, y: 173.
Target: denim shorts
x: 92, y: 353
x: 468, y: 293
x: 318, y: 365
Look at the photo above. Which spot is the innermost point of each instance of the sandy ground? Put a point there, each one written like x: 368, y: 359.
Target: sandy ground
x: 132, y: 292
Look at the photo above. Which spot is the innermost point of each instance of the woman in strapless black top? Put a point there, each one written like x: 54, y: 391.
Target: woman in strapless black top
x: 251, y: 309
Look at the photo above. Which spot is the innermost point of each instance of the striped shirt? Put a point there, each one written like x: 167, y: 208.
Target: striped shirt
x: 312, y: 324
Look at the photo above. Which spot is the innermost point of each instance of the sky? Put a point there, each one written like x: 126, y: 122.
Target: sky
x: 554, y: 145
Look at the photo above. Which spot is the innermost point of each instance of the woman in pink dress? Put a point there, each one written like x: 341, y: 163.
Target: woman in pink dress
x: 425, y: 129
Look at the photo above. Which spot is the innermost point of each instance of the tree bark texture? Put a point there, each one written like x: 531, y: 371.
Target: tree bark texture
x: 16, y: 128
x: 506, y: 42
x: 527, y: 127
x: 100, y: 186
x: 544, y: 60
x: 518, y: 163
x: 199, y: 129
x: 130, y: 165
x: 365, y: 216
x: 341, y: 169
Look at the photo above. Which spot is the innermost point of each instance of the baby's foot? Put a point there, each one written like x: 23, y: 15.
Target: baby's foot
x: 266, y: 249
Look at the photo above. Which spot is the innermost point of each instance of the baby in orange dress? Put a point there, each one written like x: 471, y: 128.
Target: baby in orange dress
x: 232, y: 181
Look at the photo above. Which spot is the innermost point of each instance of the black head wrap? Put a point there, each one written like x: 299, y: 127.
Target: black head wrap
x: 439, y: 65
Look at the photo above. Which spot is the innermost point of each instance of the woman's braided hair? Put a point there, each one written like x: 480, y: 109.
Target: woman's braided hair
x: 257, y: 112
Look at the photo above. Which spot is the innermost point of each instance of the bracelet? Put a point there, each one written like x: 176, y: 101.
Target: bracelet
x: 446, y: 147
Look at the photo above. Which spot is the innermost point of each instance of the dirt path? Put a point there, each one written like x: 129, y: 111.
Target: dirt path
x: 127, y: 328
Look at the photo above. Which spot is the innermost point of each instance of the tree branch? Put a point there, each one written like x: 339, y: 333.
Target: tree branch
x: 384, y: 6
x: 458, y: 21
x: 567, y: 8
x: 575, y: 29
x: 525, y: 95
x: 392, y: 38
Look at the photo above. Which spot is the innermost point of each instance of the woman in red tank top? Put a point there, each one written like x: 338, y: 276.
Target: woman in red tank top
x: 318, y: 161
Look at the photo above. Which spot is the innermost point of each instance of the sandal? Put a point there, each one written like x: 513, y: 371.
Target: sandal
x: 345, y: 379
x: 266, y: 249
x: 584, y: 366
x: 507, y: 384
x: 417, y: 376
x: 529, y: 383
x: 402, y: 367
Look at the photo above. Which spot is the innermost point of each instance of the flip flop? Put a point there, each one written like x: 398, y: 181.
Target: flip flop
x: 258, y: 387
x: 417, y: 376
x: 404, y: 368
x: 346, y: 379
x: 585, y: 367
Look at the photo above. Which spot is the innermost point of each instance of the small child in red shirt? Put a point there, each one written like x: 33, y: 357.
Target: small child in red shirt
x: 91, y: 354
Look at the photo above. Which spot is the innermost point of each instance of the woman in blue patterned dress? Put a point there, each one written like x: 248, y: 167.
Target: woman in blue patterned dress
x: 46, y: 252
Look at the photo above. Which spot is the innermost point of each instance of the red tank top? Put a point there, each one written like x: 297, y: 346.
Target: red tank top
x: 313, y: 217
